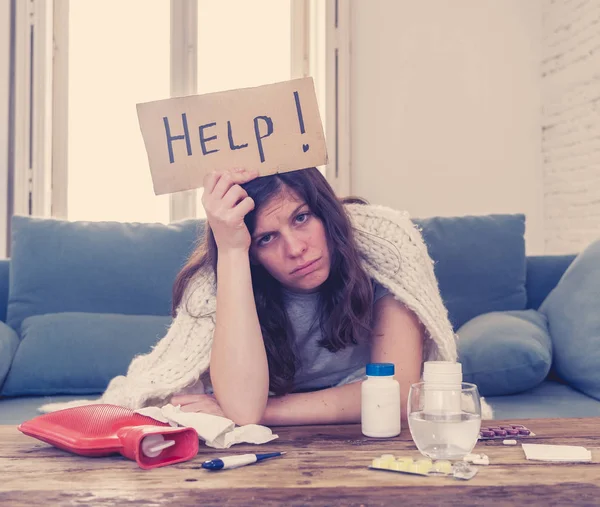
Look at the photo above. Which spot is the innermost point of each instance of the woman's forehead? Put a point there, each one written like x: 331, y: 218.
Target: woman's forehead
x: 280, y: 205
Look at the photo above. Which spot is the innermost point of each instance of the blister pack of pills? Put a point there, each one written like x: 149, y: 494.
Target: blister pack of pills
x: 423, y: 466
x: 512, y: 431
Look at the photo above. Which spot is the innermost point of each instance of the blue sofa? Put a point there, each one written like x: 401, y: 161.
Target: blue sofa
x: 79, y: 299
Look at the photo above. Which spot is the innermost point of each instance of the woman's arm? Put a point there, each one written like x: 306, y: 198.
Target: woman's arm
x: 238, y: 365
x: 397, y: 338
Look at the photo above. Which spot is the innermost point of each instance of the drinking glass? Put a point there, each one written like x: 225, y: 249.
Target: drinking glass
x: 444, y: 420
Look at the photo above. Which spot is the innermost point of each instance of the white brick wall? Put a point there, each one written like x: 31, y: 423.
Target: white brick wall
x: 571, y: 123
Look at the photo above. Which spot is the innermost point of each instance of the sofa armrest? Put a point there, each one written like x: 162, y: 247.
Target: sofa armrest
x: 4, y: 271
x: 9, y: 342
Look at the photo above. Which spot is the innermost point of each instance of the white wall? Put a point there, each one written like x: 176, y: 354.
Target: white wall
x: 4, y: 61
x: 446, y: 107
x: 571, y: 124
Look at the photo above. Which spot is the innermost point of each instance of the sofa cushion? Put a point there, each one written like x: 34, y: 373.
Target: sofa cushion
x: 103, y: 267
x: 78, y: 353
x: 505, y: 352
x: 9, y: 341
x: 572, y: 309
x: 480, y: 263
x: 548, y: 400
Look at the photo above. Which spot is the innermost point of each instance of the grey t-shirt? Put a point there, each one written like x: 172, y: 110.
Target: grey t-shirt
x: 319, y: 367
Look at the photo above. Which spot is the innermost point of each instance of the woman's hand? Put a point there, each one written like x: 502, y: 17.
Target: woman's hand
x: 226, y: 204
x: 204, y: 403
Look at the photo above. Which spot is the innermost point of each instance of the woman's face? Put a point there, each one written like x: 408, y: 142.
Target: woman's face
x: 290, y: 243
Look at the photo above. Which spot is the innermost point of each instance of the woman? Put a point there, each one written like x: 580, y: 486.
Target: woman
x: 291, y: 294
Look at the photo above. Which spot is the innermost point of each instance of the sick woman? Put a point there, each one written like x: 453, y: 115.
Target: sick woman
x: 289, y: 295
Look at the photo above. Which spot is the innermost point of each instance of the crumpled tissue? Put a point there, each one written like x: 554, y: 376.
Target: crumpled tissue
x: 216, y: 431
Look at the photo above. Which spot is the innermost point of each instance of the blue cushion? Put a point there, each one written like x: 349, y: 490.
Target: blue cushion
x: 9, y: 341
x: 101, y: 267
x: 505, y: 352
x: 79, y: 353
x: 480, y: 263
x: 4, y: 270
x: 573, y: 312
x: 543, y: 274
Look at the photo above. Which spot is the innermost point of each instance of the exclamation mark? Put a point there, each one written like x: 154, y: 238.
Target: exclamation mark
x: 300, y: 119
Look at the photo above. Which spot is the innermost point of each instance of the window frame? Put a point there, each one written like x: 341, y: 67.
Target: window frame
x: 41, y: 94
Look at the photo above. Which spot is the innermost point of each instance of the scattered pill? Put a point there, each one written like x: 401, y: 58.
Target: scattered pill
x: 482, y: 460
x: 509, y: 442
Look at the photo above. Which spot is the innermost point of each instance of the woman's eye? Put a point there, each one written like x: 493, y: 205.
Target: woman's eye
x: 265, y: 240
x: 302, y: 217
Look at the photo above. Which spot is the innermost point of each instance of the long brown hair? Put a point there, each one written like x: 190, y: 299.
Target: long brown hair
x: 346, y: 297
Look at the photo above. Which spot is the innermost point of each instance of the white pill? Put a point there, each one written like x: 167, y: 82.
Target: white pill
x: 483, y: 460
x: 509, y: 442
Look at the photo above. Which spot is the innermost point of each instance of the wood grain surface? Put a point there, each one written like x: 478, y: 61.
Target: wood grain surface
x: 324, y: 466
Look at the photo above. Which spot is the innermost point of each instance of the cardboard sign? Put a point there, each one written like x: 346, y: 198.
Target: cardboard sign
x: 271, y: 128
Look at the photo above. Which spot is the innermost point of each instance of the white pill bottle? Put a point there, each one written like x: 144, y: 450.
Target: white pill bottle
x: 443, y: 383
x: 380, y: 402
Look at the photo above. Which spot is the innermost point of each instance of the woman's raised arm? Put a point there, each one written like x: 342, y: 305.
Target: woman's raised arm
x: 238, y: 366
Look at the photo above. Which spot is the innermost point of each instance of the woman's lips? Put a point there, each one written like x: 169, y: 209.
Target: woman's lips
x: 306, y: 268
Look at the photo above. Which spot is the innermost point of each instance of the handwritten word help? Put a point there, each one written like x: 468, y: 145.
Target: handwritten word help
x: 209, y: 141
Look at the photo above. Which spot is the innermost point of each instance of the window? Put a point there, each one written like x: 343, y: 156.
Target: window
x: 88, y: 63
x: 242, y: 44
x: 109, y: 72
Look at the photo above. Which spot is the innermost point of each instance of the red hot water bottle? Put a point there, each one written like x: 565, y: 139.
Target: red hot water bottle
x: 102, y: 430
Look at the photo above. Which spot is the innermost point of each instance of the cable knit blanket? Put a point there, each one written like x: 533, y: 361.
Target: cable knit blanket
x: 393, y: 253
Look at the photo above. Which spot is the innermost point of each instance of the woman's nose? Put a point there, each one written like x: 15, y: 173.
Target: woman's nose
x: 296, y: 246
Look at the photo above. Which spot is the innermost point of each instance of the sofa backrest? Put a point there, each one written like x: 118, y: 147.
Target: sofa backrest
x: 98, y: 267
x: 109, y: 267
x: 479, y: 261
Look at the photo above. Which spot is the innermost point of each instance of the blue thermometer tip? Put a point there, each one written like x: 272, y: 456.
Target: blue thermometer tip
x: 213, y: 464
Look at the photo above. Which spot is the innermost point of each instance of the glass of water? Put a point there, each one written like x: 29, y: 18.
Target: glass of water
x: 444, y: 420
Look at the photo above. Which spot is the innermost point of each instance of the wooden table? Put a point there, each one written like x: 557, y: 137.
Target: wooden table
x: 324, y: 466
